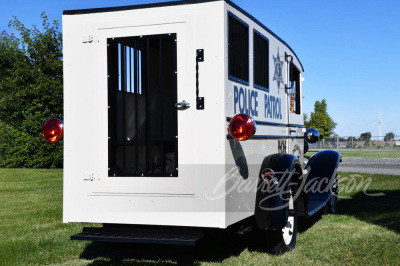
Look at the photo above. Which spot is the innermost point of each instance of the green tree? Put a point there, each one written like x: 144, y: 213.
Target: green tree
x: 306, y: 120
x: 30, y: 93
x: 321, y: 120
x: 389, y: 136
x: 366, y: 136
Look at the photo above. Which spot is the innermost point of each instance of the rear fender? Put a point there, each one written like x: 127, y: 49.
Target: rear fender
x: 271, y: 211
x: 321, y: 172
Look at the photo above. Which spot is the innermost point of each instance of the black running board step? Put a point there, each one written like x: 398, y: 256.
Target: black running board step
x: 133, y: 235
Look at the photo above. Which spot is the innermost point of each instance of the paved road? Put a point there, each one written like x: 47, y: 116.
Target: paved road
x: 370, y: 166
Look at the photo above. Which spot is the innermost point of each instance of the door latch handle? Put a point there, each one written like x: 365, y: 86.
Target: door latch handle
x: 182, y: 105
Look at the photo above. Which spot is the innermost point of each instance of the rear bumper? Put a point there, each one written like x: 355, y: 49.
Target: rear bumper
x: 139, y: 235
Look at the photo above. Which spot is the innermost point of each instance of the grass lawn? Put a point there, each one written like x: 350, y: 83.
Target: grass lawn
x: 366, y: 230
x: 378, y: 154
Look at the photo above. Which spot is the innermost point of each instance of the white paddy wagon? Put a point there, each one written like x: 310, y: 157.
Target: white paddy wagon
x: 185, y: 117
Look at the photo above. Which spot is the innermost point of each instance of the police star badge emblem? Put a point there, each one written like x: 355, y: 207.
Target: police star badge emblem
x: 278, y: 70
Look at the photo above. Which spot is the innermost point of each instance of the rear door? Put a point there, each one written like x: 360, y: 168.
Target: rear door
x: 142, y: 119
x: 146, y: 154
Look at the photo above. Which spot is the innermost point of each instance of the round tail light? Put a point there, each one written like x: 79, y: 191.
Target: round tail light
x: 53, y: 130
x: 242, y: 127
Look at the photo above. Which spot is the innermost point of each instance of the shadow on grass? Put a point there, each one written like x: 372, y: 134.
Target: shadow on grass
x: 380, y: 210
x: 306, y: 223
x: 383, y: 211
x: 213, y: 248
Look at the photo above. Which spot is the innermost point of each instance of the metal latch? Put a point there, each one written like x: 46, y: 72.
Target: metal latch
x: 90, y: 177
x: 89, y: 39
x: 182, y: 105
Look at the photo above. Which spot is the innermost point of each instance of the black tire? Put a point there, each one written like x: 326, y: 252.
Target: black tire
x: 331, y: 205
x: 281, y: 241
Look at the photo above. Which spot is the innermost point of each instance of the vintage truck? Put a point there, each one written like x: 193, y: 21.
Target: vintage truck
x: 182, y: 118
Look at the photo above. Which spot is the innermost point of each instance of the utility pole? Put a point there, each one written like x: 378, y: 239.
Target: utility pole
x: 380, y: 127
x: 337, y: 142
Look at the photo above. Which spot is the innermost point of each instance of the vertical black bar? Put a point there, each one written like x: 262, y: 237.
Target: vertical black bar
x: 162, y: 105
x: 242, y: 52
x: 123, y: 91
x: 129, y: 55
x: 229, y: 47
x: 257, y: 55
x: 262, y: 60
x: 247, y: 54
x: 265, y: 59
x: 267, y: 64
x: 112, y: 60
x: 175, y: 40
x: 233, y: 49
x: 236, y: 54
x: 237, y: 51
x: 256, y: 62
x: 230, y: 59
x: 148, y: 156
x: 255, y: 59
x: 241, y: 48
x: 109, y: 102
x: 136, y: 109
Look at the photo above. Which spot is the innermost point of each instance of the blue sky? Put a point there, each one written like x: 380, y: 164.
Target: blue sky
x: 349, y: 49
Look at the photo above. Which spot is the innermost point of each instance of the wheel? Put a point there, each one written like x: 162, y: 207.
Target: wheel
x: 284, y: 240
x: 331, y: 206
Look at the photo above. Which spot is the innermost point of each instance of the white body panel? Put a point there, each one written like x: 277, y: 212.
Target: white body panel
x: 197, y: 196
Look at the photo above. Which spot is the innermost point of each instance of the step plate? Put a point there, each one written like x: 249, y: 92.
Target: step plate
x: 130, y: 235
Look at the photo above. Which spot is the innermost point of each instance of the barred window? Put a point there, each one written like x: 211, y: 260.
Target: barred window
x: 238, y: 46
x: 142, y: 92
x: 261, y: 66
x: 295, y: 91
